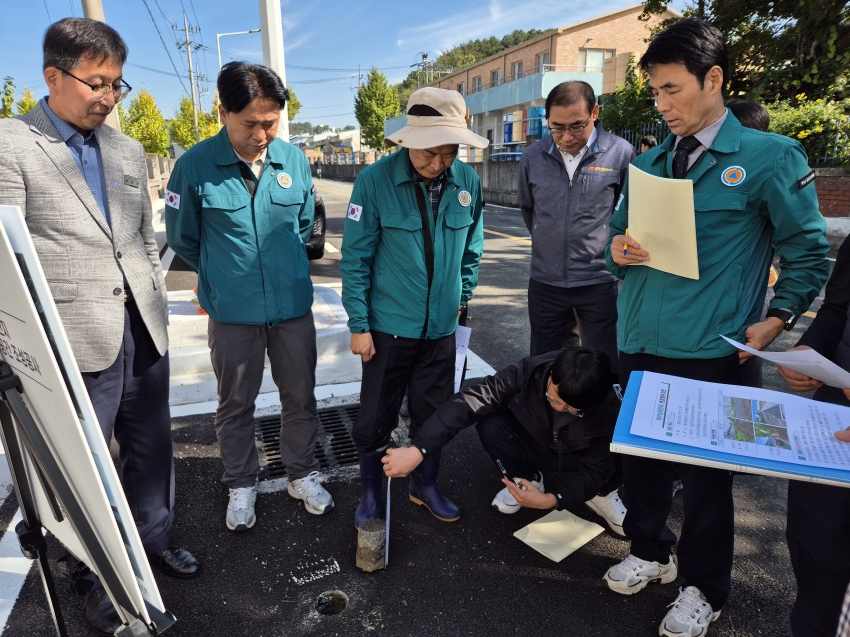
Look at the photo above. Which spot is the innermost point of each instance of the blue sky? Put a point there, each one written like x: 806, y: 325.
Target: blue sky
x: 331, y: 37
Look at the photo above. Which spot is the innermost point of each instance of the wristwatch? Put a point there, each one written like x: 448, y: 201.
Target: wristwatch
x: 786, y: 316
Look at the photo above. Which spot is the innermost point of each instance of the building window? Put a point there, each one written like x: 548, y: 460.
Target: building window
x: 460, y: 88
x: 496, y: 77
x: 476, y: 84
x: 541, y: 61
x: 516, y: 70
x: 593, y: 60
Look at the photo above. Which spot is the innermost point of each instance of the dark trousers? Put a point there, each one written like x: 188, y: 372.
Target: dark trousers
x: 751, y: 372
x: 817, y: 531
x: 552, y: 312
x: 504, y: 439
x: 425, y: 367
x: 130, y: 400
x: 706, y: 547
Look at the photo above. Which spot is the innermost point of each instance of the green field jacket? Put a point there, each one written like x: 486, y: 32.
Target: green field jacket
x: 754, y: 194
x: 384, y: 275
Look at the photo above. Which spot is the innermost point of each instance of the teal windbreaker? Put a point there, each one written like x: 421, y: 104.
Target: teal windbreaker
x: 752, y: 191
x: 249, y: 253
x: 384, y: 277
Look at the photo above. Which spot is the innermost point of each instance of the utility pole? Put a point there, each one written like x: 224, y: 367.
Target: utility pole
x: 360, y: 128
x: 271, y: 26
x: 93, y: 9
x: 198, y: 79
x: 188, y: 44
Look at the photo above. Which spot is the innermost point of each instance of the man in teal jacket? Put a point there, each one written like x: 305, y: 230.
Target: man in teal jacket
x: 238, y: 211
x: 413, y: 240
x: 752, y: 191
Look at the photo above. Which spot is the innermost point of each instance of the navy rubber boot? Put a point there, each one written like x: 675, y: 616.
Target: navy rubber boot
x: 372, y: 473
x: 423, y: 490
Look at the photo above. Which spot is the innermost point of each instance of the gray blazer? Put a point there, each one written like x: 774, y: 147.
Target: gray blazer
x: 85, y: 261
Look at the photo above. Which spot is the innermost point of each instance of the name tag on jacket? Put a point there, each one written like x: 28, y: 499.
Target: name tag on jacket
x: 134, y: 182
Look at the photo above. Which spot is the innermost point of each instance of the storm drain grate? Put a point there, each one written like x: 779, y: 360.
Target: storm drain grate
x: 334, y: 446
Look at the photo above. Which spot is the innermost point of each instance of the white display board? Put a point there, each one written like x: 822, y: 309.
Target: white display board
x: 33, y: 342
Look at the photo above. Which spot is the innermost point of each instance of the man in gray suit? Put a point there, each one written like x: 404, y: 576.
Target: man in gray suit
x: 83, y: 190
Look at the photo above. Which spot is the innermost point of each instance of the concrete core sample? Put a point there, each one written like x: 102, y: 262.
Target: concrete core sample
x: 371, y: 541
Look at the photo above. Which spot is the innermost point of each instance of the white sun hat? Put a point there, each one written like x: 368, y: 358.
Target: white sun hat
x: 435, y: 117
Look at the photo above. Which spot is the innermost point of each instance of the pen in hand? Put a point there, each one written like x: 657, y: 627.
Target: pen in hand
x: 625, y: 245
x: 516, y: 481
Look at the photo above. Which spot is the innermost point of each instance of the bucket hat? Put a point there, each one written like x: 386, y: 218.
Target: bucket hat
x: 435, y: 117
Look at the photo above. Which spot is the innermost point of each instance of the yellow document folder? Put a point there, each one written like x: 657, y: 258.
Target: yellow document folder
x: 661, y: 219
x: 558, y: 534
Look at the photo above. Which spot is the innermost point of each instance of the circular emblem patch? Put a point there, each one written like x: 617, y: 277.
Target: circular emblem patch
x: 284, y: 180
x: 464, y: 198
x: 733, y: 176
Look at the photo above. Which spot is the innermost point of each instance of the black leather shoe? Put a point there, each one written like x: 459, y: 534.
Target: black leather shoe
x: 101, y: 614
x: 176, y: 562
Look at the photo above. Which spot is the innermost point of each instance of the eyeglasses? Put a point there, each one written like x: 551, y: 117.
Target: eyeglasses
x: 576, y: 129
x: 560, y: 404
x: 100, y: 91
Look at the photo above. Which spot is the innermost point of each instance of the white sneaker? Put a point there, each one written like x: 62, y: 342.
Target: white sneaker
x: 240, y: 509
x: 689, y: 616
x: 633, y: 574
x: 504, y: 502
x: 611, y: 508
x: 316, y: 499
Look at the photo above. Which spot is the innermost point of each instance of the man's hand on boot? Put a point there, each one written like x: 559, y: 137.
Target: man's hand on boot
x: 398, y: 463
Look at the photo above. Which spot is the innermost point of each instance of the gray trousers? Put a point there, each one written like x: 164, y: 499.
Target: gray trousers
x: 238, y: 353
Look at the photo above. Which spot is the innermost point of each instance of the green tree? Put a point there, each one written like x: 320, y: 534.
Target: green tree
x: 27, y: 102
x: 144, y: 123
x: 182, y: 127
x: 7, y: 101
x: 293, y: 106
x: 631, y: 105
x: 779, y: 48
x: 816, y: 124
x: 376, y: 102
x: 349, y: 127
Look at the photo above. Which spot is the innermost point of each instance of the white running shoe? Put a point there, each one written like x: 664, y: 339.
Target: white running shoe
x: 611, y: 508
x: 689, y: 616
x: 633, y: 574
x: 240, y: 509
x: 504, y: 502
x: 316, y: 499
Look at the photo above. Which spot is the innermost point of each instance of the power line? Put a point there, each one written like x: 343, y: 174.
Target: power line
x: 48, y: 11
x: 147, y: 68
x: 167, y: 52
x: 71, y: 2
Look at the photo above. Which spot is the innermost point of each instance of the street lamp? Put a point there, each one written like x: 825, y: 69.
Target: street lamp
x: 218, y: 37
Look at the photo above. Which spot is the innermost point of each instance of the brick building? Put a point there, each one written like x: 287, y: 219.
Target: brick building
x: 503, y: 88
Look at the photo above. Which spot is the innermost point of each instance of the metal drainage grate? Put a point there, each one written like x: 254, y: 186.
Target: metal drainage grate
x: 334, y: 446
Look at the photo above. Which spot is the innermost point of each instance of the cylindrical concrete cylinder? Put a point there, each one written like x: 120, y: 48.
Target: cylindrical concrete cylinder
x: 371, y: 540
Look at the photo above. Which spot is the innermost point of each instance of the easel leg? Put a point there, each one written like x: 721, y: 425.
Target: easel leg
x: 29, y: 530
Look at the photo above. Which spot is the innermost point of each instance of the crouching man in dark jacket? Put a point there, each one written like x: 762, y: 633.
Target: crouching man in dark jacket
x: 555, y: 413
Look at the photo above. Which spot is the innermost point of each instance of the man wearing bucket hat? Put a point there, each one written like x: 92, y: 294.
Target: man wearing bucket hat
x: 413, y: 240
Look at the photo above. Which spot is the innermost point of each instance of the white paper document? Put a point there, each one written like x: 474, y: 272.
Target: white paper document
x: 744, y: 421
x: 558, y: 534
x: 462, y: 344
x: 804, y: 361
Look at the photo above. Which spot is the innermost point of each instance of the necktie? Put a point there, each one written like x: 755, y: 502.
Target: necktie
x: 685, y: 147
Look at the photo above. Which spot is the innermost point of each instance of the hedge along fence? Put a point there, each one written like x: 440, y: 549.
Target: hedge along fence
x: 822, y: 127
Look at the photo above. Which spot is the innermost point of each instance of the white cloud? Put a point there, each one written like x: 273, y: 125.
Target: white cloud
x: 500, y: 18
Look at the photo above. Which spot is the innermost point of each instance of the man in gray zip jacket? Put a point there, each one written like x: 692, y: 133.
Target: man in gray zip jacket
x: 568, y: 186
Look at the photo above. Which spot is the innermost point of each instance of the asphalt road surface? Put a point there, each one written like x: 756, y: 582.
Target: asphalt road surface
x: 471, y: 577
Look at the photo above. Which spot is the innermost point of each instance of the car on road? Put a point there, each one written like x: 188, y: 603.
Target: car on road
x: 316, y: 244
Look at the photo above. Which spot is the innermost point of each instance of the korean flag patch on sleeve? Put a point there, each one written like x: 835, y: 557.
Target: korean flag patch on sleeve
x: 172, y: 199
x: 354, y: 212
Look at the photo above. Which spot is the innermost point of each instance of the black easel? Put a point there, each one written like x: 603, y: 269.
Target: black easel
x: 30, y: 530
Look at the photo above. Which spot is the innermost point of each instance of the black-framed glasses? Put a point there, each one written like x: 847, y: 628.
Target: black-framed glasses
x: 561, y: 404
x: 575, y: 129
x: 100, y: 91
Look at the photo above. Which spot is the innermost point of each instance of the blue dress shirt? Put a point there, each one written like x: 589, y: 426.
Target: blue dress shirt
x: 86, y: 152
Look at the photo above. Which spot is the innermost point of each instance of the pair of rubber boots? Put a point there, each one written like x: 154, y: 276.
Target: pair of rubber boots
x: 423, y: 488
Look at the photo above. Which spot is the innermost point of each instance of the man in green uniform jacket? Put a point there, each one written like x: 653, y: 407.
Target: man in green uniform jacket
x: 753, y: 191
x: 238, y: 211
x: 413, y: 240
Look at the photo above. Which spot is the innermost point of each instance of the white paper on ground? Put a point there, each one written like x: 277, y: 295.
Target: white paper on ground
x: 803, y: 361
x: 462, y: 343
x: 558, y: 534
